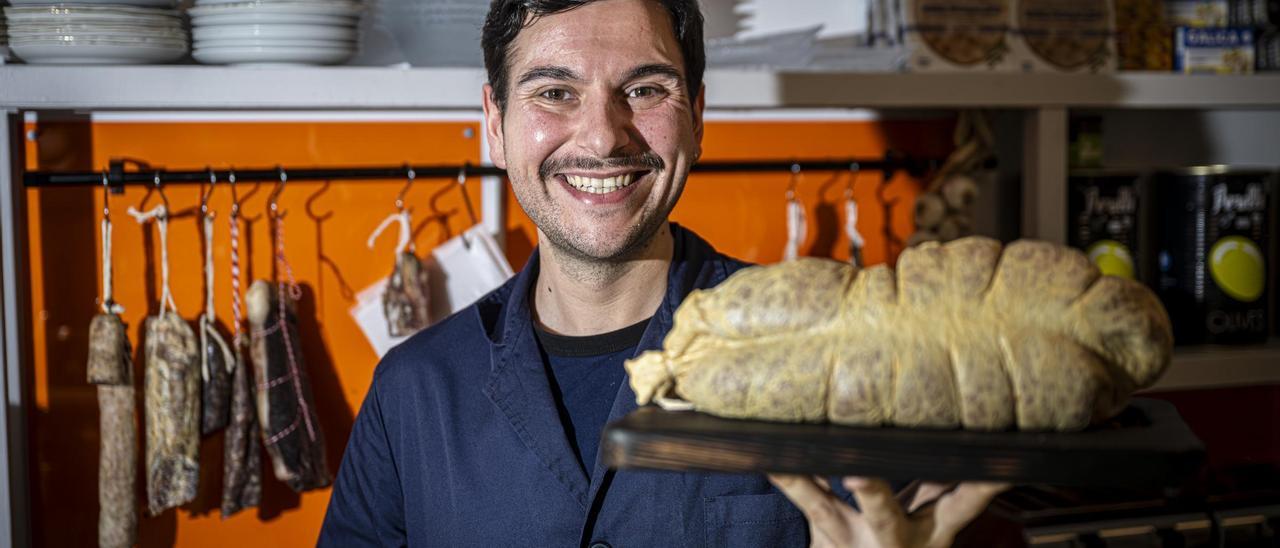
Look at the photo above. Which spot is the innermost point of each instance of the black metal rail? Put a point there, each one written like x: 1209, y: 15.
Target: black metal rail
x: 117, y: 176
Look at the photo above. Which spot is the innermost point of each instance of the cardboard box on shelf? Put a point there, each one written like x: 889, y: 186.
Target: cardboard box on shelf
x: 1213, y: 50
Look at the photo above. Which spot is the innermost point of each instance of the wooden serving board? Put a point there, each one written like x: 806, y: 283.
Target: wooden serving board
x: 1146, y: 446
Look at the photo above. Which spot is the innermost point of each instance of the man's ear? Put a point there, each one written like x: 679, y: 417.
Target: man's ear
x: 699, y: 103
x: 493, y: 128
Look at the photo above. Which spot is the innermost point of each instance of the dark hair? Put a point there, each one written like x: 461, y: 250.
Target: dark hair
x: 508, y: 17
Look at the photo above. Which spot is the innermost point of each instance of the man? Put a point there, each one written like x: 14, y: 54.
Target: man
x: 483, y: 430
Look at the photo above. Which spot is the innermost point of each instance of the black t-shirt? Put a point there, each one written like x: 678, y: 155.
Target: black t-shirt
x: 585, y: 374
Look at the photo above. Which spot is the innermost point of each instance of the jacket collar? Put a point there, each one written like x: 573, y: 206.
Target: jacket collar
x: 694, y: 265
x: 518, y: 384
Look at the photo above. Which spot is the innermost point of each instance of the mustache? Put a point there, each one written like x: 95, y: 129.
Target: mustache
x: 645, y: 160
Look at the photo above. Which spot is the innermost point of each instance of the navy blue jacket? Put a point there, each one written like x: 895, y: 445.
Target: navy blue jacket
x: 458, y: 443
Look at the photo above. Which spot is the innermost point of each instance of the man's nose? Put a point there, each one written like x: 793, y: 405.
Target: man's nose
x: 605, y: 127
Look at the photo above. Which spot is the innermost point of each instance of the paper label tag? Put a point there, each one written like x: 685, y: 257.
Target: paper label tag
x: 372, y: 321
x: 460, y: 271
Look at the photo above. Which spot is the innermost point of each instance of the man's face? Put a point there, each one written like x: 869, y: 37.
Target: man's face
x: 599, y: 130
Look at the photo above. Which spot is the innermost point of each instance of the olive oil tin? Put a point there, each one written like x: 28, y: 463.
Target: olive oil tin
x: 1105, y: 216
x: 1213, y: 238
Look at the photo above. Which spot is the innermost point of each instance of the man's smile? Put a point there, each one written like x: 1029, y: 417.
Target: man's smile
x: 602, y: 183
x: 602, y: 188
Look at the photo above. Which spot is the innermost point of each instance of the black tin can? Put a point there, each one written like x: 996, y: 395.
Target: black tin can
x: 1213, y: 238
x: 1105, y: 216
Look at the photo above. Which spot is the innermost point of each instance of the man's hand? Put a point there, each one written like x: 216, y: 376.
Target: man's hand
x: 881, y: 521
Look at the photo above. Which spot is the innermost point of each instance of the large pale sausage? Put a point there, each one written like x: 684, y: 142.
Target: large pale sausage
x: 964, y: 334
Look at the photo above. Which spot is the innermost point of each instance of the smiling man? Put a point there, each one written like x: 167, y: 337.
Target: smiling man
x: 484, y: 429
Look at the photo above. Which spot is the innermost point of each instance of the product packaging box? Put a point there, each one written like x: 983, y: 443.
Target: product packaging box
x: 1197, y: 13
x: 1076, y: 36
x: 1213, y: 50
x: 958, y: 35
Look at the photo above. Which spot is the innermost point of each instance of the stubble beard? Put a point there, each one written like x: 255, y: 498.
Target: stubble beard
x: 577, y: 256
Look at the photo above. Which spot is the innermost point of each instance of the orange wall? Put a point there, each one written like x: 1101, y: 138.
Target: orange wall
x: 326, y: 226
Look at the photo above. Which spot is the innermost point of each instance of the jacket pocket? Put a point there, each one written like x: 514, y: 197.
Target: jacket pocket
x: 768, y: 520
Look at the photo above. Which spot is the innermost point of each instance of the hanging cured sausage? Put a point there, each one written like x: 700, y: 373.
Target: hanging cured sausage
x: 242, y: 450
x: 172, y: 397
x: 216, y: 361
x: 111, y: 368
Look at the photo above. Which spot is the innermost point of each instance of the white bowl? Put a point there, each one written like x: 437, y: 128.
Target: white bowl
x: 272, y: 42
x: 263, y: 55
x: 94, y: 54
x: 280, y: 31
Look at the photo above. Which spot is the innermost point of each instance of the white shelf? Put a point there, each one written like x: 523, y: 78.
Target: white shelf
x: 374, y: 88
x: 1221, y: 366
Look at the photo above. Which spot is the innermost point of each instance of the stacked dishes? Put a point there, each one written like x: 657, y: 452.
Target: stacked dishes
x: 95, y: 33
x: 4, y: 39
x: 435, y: 33
x: 274, y: 32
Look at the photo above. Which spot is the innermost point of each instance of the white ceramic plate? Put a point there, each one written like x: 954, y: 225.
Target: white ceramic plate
x: 100, y: 40
x: 59, y: 10
x: 271, y: 55
x: 80, y: 14
x: 225, y: 2
x: 94, y: 54
x: 97, y: 27
x: 136, y: 33
x: 165, y: 22
x: 346, y: 9
x: 281, y: 31
x: 142, y: 3
x: 274, y: 43
x: 250, y: 18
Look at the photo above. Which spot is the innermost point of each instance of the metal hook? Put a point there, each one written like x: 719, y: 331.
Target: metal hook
x: 795, y: 179
x: 854, y: 168
x: 204, y: 198
x: 159, y: 186
x: 272, y: 207
x: 106, y: 197
x: 235, y: 199
x: 411, y: 175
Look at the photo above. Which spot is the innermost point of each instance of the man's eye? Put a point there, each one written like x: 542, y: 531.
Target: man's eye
x: 644, y: 92
x: 556, y: 95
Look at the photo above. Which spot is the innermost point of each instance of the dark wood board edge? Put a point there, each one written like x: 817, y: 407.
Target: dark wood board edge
x: 654, y: 440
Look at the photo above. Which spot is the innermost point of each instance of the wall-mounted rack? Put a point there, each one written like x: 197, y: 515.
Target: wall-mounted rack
x: 117, y: 176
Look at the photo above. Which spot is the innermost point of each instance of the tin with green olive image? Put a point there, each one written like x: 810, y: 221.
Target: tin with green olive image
x: 1105, y: 220
x: 1213, y: 241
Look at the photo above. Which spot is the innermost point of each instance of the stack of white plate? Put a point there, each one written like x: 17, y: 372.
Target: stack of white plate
x: 274, y: 32
x: 4, y: 39
x: 435, y: 33
x: 95, y: 34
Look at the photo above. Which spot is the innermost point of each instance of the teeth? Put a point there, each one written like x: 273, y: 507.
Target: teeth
x: 600, y: 186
